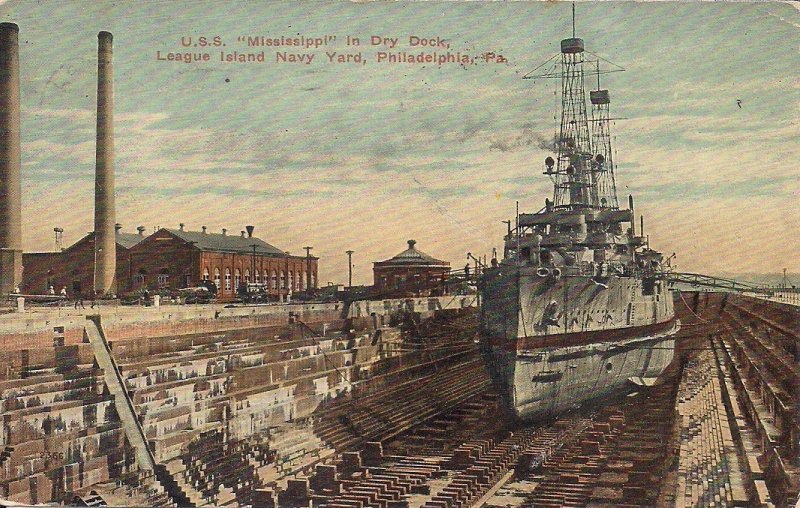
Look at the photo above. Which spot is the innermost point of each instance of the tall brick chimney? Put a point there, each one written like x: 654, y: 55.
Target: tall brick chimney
x: 10, y: 183
x: 105, y: 245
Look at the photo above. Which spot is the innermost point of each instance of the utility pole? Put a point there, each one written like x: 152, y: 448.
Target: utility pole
x: 285, y: 278
x: 308, y: 269
x: 349, y: 268
x: 253, y: 263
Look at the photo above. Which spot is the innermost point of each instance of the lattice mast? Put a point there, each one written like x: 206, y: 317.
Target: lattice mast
x: 603, y: 162
x: 572, y: 175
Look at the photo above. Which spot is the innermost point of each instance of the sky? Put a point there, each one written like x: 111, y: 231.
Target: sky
x: 365, y: 156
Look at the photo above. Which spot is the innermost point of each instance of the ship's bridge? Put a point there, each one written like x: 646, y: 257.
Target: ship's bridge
x: 557, y: 235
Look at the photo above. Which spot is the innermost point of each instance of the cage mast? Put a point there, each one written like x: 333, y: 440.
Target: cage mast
x: 603, y: 163
x: 573, y: 177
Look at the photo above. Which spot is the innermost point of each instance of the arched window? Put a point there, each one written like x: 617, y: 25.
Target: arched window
x: 258, y: 279
x: 313, y: 281
x: 141, y: 277
x: 205, y: 273
x: 227, y: 279
x: 247, y: 276
x: 283, y: 279
x: 274, y: 280
x: 290, y: 282
x: 217, y: 281
x: 302, y: 281
x: 237, y: 280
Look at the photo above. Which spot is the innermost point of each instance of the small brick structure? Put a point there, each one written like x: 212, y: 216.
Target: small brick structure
x: 409, y: 273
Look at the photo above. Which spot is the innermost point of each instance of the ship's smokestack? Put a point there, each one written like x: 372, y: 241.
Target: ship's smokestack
x: 10, y: 183
x: 105, y: 242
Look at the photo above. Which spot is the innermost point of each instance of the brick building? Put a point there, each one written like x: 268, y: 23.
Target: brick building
x: 174, y: 259
x: 73, y: 267
x: 410, y: 272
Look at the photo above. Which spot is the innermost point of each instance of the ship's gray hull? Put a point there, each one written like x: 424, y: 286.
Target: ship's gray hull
x: 600, y: 339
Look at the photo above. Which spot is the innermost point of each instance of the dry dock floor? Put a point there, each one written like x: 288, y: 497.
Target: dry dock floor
x: 719, y: 429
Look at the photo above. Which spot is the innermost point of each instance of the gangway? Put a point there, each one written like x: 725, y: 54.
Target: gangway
x: 710, y: 281
x: 181, y: 494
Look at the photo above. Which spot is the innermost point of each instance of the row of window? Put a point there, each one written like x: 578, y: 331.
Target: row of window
x: 297, y: 280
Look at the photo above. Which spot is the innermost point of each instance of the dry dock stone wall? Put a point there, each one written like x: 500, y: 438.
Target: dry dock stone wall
x: 229, y: 401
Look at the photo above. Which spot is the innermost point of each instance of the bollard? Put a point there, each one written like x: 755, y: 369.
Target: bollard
x: 20, y: 304
x: 156, y: 301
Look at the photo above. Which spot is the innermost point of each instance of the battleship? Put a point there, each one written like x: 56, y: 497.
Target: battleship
x: 579, y: 306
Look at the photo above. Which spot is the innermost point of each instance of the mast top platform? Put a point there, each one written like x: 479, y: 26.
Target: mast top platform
x: 572, y: 45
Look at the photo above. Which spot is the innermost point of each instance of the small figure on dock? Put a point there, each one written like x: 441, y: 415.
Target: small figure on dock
x: 77, y: 289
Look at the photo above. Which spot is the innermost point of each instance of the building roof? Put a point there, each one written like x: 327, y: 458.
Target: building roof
x: 128, y: 240
x: 226, y: 243
x: 124, y: 240
x: 413, y: 256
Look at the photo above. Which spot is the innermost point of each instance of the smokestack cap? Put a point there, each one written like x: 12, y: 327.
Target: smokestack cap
x: 117, y: 226
x: 9, y: 26
x: 249, y: 231
x: 242, y: 233
x: 181, y: 225
x: 411, y: 244
x: 224, y: 232
x: 204, y: 229
x: 141, y: 229
x: 105, y: 35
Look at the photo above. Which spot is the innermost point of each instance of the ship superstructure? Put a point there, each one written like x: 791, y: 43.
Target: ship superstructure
x: 578, y: 307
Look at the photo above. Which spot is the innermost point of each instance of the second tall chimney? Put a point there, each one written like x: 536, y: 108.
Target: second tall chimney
x: 105, y: 244
x: 10, y: 183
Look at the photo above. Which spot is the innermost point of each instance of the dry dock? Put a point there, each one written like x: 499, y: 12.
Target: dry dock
x: 384, y: 404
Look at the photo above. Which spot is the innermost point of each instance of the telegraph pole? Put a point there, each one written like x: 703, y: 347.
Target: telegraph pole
x: 349, y: 268
x: 285, y: 278
x: 308, y: 269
